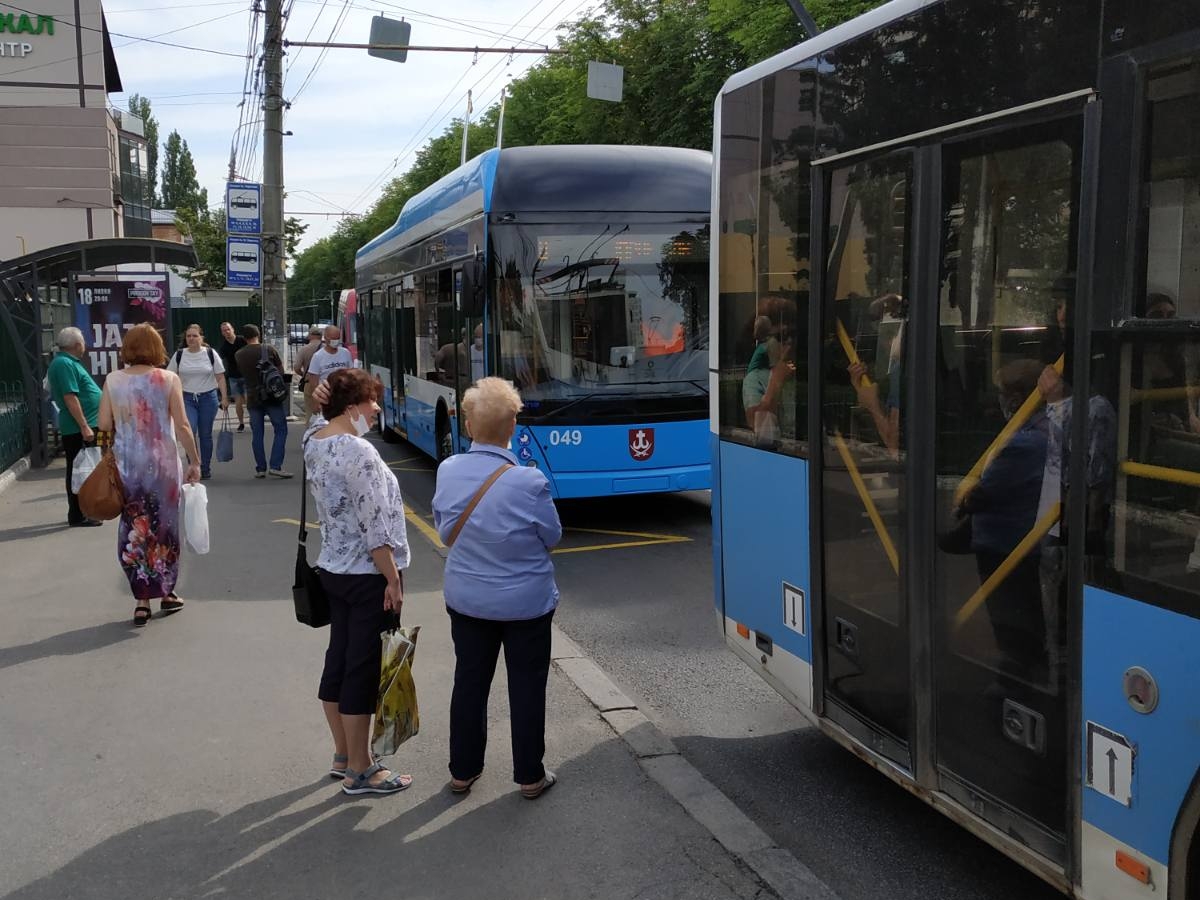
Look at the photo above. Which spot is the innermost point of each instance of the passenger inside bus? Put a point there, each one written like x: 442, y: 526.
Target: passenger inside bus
x: 769, y: 386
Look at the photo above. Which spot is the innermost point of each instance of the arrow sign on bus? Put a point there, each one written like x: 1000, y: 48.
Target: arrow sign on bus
x: 1110, y: 764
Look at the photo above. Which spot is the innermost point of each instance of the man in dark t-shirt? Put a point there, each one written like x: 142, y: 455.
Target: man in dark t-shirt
x: 248, y: 359
x: 231, y: 344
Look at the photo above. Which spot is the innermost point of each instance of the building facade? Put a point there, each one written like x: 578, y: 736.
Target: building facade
x: 71, y: 167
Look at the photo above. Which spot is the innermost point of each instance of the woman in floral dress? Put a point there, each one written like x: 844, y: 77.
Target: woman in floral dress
x: 142, y: 405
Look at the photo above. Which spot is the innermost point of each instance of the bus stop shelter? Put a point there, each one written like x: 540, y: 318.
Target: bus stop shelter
x: 28, y: 283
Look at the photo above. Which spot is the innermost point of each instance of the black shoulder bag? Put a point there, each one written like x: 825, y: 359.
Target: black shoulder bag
x: 312, y: 604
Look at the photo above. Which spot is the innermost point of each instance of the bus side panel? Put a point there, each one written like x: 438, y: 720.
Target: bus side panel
x: 717, y: 544
x: 420, y: 412
x: 1119, y: 633
x: 766, y: 571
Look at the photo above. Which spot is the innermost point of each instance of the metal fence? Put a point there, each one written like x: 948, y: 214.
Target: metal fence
x: 14, y: 423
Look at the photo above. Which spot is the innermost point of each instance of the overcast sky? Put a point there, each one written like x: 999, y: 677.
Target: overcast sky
x: 355, y: 116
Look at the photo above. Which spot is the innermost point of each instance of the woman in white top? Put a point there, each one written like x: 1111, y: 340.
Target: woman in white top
x: 202, y: 372
x: 364, y: 547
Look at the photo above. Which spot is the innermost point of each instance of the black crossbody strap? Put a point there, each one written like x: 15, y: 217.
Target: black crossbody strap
x: 303, y: 503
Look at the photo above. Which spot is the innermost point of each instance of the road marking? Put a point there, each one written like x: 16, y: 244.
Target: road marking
x: 424, y: 527
x: 646, y: 539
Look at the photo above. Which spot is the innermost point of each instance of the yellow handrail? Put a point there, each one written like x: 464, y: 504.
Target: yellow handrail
x: 864, y: 495
x: 1161, y: 473
x: 848, y: 347
x: 1040, y: 529
x: 1020, y: 417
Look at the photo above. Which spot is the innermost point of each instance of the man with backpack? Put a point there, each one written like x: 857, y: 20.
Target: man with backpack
x: 266, y: 397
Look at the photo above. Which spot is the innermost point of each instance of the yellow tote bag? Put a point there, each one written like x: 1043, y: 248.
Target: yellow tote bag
x: 396, y: 716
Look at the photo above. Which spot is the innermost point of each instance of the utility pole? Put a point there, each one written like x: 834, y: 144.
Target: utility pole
x: 274, y: 292
x: 466, y: 130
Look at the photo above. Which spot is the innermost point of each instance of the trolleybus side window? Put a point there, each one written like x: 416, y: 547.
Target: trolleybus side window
x: 764, y: 285
x: 1156, y: 516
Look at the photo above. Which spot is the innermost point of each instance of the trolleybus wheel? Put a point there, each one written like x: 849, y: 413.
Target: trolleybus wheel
x: 445, y: 440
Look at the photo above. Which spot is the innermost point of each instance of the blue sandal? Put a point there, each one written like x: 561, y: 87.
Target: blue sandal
x: 355, y: 783
x: 339, y: 760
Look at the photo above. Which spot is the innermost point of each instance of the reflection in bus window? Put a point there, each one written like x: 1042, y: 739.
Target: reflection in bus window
x: 1171, y: 191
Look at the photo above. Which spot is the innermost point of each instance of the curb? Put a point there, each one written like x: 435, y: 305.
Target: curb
x: 661, y: 760
x: 9, y: 476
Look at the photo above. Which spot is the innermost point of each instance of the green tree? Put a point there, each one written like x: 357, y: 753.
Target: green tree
x: 180, y: 188
x: 206, y: 230
x: 140, y: 107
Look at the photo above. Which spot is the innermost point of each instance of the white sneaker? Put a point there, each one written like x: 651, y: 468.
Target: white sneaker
x: 279, y: 473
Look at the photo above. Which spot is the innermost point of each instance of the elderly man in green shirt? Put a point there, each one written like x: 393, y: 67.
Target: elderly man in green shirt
x: 78, y: 399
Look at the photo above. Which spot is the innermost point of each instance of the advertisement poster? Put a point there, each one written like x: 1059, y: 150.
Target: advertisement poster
x: 106, y: 306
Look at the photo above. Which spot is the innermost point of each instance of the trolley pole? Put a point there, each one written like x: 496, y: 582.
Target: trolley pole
x: 274, y: 291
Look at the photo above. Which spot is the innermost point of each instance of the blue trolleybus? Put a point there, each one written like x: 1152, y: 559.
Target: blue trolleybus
x: 955, y: 382
x: 579, y: 273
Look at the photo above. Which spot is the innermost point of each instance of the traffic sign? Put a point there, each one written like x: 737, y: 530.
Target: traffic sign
x: 243, y: 207
x: 243, y: 262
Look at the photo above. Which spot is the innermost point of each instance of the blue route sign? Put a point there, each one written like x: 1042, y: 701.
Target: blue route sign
x: 243, y: 262
x: 243, y: 207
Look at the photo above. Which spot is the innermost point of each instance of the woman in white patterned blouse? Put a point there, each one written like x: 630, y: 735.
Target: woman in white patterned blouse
x: 364, y: 548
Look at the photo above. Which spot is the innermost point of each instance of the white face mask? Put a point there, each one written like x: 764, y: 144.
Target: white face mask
x: 478, y: 343
x: 360, y: 422
x: 334, y: 344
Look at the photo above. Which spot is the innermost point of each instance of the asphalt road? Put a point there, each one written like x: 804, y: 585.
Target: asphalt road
x: 643, y: 611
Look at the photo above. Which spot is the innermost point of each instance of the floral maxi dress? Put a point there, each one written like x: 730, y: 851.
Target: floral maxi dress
x: 148, y: 460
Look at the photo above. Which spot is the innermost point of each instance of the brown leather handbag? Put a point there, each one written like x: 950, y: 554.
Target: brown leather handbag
x: 102, y: 495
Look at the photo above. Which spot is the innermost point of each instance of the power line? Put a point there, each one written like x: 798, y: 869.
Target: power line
x: 413, y: 142
x: 333, y: 33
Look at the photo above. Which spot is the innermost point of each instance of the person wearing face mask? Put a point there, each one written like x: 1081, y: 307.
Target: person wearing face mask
x: 364, y: 549
x: 331, y: 357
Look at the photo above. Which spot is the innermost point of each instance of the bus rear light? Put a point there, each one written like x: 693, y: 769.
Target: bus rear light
x: 1135, y: 869
x: 743, y: 631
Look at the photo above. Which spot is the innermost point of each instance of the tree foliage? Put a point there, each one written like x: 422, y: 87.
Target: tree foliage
x: 140, y: 107
x: 676, y: 54
x: 180, y: 188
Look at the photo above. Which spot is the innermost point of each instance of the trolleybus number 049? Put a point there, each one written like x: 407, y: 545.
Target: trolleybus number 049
x: 566, y: 437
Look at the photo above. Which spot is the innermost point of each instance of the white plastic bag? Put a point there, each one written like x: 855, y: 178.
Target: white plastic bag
x: 195, y: 516
x: 85, y: 463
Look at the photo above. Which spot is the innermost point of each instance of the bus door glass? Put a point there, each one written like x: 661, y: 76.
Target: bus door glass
x: 1007, y: 286
x: 863, y: 480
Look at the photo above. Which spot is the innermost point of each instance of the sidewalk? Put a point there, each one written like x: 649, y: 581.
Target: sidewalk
x: 188, y: 759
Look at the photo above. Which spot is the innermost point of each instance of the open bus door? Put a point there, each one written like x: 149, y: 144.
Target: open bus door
x: 943, y: 598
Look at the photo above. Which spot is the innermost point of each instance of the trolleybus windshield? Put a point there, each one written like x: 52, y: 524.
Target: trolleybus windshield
x: 592, y: 314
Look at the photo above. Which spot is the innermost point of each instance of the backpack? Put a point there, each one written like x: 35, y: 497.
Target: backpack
x: 271, y: 386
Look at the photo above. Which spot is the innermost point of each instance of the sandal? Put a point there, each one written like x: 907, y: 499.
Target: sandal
x: 341, y: 760
x: 170, y: 604
x: 355, y: 783
x: 141, y: 615
x: 533, y: 791
x: 463, y: 787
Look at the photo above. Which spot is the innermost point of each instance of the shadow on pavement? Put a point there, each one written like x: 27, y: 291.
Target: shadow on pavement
x: 30, y: 531
x: 312, y: 842
x: 69, y: 643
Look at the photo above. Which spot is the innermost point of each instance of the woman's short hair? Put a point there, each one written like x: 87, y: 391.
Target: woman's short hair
x: 143, y: 346
x: 490, y: 405
x: 346, y: 388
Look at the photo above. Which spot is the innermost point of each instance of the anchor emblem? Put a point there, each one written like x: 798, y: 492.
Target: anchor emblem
x: 641, y: 443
